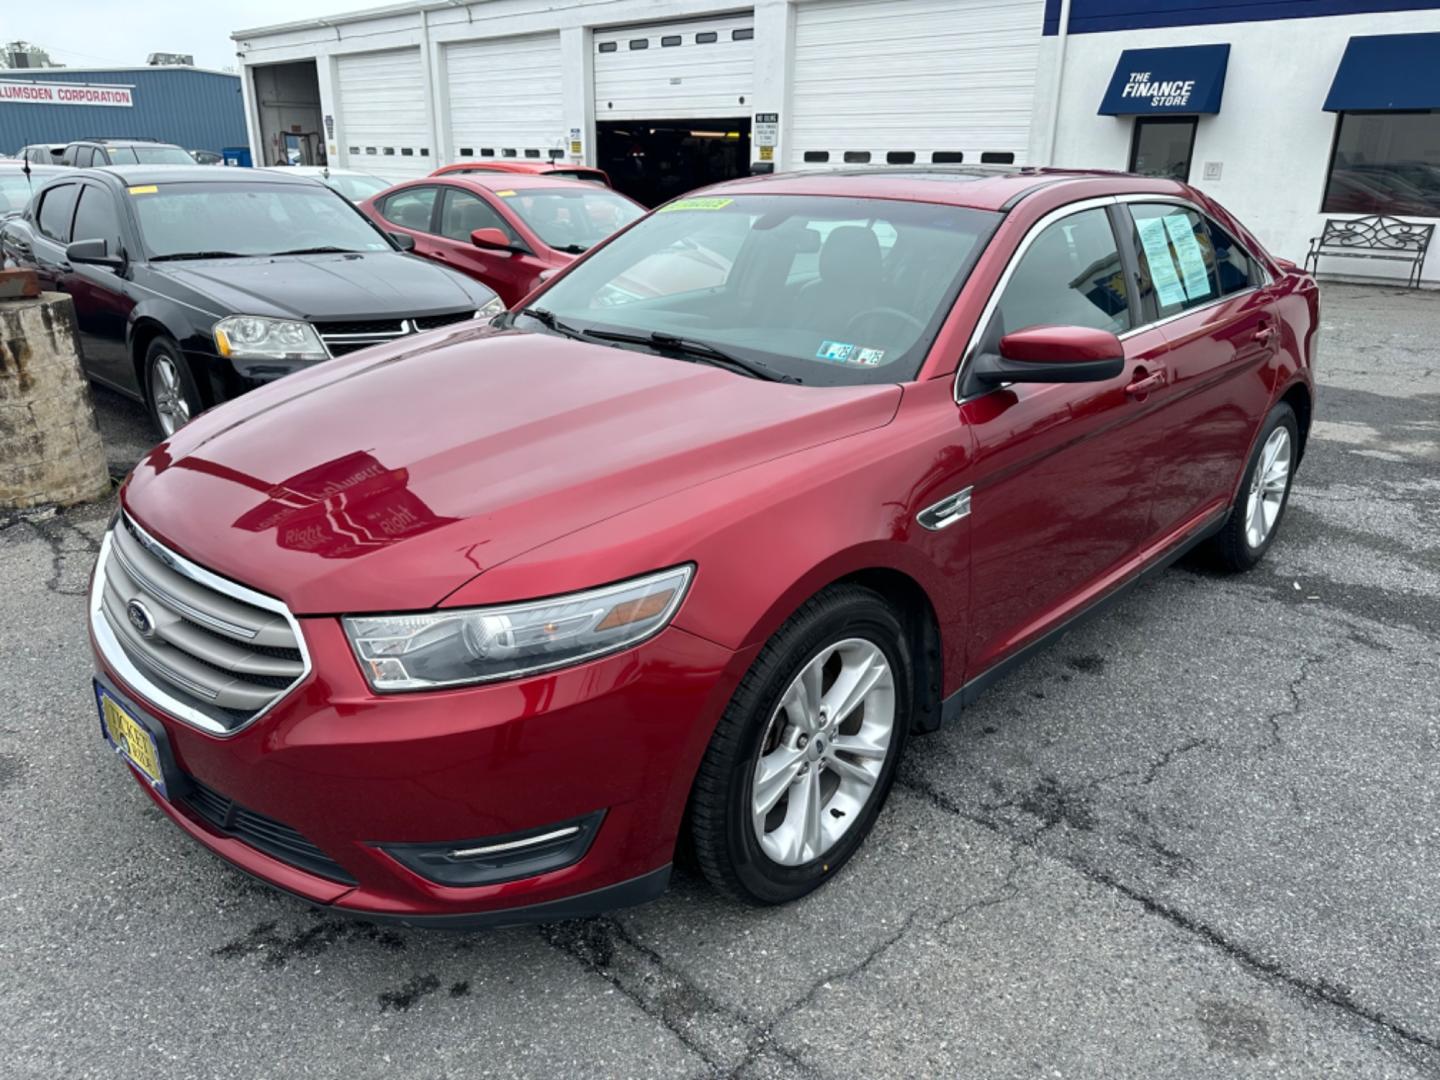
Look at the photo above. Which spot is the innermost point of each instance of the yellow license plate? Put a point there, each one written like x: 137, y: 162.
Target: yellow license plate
x: 130, y: 738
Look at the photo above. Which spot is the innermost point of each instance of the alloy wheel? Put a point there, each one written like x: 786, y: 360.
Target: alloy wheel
x: 171, y: 407
x: 823, y: 751
x: 1268, y: 487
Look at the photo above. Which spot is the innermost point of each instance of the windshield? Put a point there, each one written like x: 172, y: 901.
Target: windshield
x: 248, y: 219
x: 149, y: 155
x: 15, y: 189
x: 831, y: 291
x: 571, y: 219
x: 356, y: 188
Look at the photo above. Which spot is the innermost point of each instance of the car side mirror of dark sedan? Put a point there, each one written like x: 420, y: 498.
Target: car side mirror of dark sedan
x: 404, y: 241
x: 93, y: 253
x: 491, y: 238
x: 1053, y: 354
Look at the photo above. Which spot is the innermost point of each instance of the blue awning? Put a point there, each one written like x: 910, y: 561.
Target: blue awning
x: 1182, y: 79
x: 1387, y: 73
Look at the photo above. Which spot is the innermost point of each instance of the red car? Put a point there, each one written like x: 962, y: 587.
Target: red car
x: 554, y: 169
x: 476, y: 627
x: 510, y: 232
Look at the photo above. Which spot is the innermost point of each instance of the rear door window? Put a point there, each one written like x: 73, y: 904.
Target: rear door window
x: 413, y: 208
x: 56, y: 209
x: 1234, y: 267
x: 1176, y: 259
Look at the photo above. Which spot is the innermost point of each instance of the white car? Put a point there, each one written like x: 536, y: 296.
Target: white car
x: 355, y: 186
x: 42, y: 153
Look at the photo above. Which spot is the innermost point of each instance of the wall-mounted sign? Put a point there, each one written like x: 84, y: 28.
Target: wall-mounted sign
x: 38, y: 93
x: 576, y: 146
x: 766, y: 130
x: 329, y: 126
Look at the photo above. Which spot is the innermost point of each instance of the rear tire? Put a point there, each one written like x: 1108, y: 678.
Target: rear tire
x: 815, y: 730
x: 170, y: 391
x: 1263, y: 496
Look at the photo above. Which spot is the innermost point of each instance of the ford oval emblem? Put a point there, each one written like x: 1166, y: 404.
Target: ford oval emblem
x: 140, y: 618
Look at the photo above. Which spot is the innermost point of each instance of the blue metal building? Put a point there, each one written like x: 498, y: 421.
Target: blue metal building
x: 193, y: 107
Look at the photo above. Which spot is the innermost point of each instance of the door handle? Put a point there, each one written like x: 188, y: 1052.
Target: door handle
x: 1264, y: 334
x: 1140, y: 387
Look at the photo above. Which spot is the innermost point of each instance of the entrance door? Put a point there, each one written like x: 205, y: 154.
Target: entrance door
x: 1162, y: 146
x: 383, y: 125
x: 655, y: 160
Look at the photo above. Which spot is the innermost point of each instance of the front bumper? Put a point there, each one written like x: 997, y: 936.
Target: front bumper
x: 352, y: 771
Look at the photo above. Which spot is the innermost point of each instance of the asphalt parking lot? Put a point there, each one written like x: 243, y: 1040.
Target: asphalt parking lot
x: 1199, y: 838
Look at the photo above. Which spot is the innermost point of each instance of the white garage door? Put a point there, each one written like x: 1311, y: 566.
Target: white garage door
x: 876, y: 81
x: 382, y: 125
x: 505, y: 98
x: 684, y: 70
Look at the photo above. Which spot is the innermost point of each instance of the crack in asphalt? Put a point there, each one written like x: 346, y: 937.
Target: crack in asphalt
x: 1273, y: 719
x: 53, y: 532
x: 1317, y: 990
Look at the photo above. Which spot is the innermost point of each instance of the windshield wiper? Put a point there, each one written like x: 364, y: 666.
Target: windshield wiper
x: 176, y: 256
x: 548, y: 320
x: 324, y: 250
x: 700, y: 350
x: 573, y: 249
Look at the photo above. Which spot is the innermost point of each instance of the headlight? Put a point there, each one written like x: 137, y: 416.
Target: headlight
x: 492, y: 307
x: 268, y: 339
x: 448, y: 648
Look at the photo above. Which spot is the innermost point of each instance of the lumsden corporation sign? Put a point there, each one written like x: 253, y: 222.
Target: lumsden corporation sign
x: 38, y: 93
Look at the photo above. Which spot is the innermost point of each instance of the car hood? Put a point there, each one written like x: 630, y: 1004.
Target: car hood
x: 387, y: 479
x: 371, y: 284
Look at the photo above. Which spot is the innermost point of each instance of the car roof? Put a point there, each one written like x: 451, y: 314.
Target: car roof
x: 105, y: 140
x: 36, y: 168
x: 978, y: 187
x: 180, y: 174
x: 317, y: 170
x: 508, y: 181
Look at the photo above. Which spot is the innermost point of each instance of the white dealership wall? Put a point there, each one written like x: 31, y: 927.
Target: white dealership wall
x: 1271, y: 136
x: 988, y: 104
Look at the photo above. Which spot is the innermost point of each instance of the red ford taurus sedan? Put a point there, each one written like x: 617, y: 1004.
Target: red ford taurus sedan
x: 476, y: 627
x: 506, y: 230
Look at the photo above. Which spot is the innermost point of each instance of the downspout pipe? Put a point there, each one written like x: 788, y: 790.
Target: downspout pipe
x: 1062, y: 43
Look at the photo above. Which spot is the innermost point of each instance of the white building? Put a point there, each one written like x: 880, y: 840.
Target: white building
x: 670, y: 94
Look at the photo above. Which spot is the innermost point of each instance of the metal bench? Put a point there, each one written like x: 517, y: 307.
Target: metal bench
x: 1377, y: 237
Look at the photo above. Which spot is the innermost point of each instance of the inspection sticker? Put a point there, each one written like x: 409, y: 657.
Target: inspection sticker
x: 144, y: 189
x: 834, y: 350
x: 697, y: 204
x: 870, y: 357
x: 506, y: 193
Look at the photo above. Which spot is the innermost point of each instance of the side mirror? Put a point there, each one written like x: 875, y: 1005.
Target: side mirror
x: 404, y: 241
x: 93, y: 253
x: 492, y: 238
x: 1053, y: 354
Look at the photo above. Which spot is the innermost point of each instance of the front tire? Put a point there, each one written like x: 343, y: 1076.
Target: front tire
x: 805, y: 755
x: 1264, y: 493
x: 170, y: 391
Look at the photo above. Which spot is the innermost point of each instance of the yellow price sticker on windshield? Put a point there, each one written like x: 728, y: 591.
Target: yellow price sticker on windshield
x: 698, y: 204
x: 144, y: 189
x: 506, y: 193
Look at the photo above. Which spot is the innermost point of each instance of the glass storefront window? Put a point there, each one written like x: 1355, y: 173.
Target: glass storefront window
x: 1162, y: 146
x: 1385, y: 163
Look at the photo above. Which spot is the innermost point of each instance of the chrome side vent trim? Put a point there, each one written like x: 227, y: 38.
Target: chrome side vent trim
x: 946, y: 512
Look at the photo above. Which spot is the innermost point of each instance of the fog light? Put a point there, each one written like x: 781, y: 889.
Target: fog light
x: 494, y: 859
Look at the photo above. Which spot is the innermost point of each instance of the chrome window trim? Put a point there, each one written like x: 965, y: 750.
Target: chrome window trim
x: 109, y: 645
x: 1062, y: 212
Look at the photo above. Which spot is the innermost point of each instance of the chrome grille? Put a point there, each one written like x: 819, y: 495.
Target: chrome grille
x: 346, y: 337
x: 198, y: 646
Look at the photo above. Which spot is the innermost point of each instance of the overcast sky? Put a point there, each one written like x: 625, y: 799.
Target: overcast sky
x: 119, y: 33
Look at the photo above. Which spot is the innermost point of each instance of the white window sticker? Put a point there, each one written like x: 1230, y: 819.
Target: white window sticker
x: 870, y: 357
x: 1162, y: 263
x: 1192, y: 259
